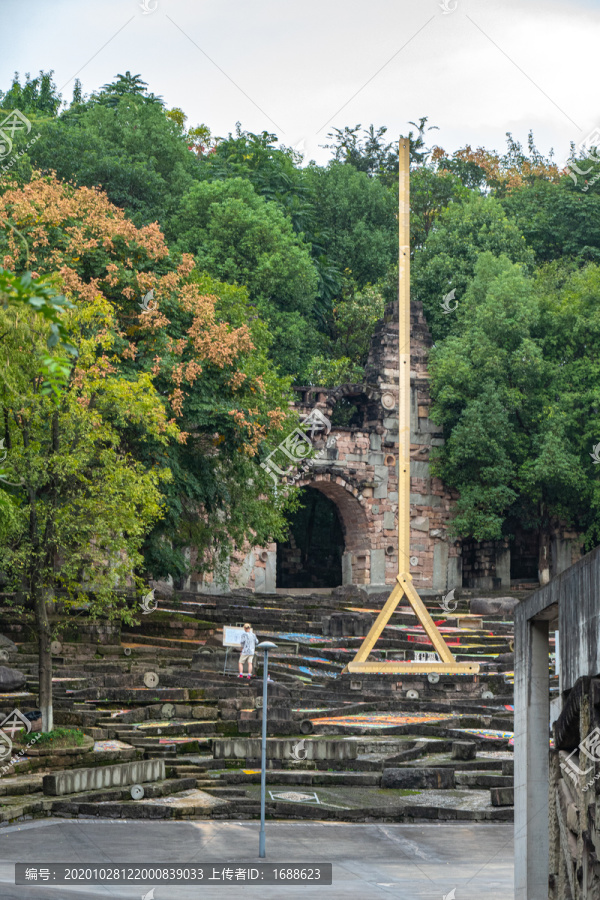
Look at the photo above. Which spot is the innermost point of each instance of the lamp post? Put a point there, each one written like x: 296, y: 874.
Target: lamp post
x: 265, y: 646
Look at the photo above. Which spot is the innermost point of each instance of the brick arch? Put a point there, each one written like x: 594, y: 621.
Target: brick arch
x: 356, y: 566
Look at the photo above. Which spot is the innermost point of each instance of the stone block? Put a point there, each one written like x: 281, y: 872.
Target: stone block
x: 343, y: 624
x: 11, y: 680
x: 260, y: 581
x: 375, y: 441
x: 493, y: 606
x: 425, y: 500
x: 377, y: 566
x: 278, y: 748
x: 420, y: 523
x: 463, y: 750
x: 270, y: 572
x: 381, y: 474
x: 389, y: 521
x: 440, y: 566
x: 419, y: 469
x: 78, y: 780
x: 375, y: 459
x: 347, y: 567
x: 418, y: 779
x: 503, y: 796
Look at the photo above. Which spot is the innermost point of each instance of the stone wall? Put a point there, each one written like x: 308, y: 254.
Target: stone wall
x: 574, y: 838
x: 357, y: 469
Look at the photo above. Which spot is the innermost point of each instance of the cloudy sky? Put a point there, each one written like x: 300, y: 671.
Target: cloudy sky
x: 477, y: 69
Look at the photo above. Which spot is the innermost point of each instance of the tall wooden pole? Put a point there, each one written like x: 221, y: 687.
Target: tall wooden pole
x: 404, y: 585
x: 404, y: 359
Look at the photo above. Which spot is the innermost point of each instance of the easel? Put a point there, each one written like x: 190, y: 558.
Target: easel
x: 404, y: 585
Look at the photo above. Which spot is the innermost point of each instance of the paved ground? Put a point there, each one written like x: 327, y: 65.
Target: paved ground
x: 370, y: 862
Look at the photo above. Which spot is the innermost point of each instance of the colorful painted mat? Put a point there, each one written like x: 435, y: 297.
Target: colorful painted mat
x: 302, y: 637
x: 383, y: 721
x: 306, y: 670
x: 489, y: 733
x: 277, y: 656
x: 104, y: 746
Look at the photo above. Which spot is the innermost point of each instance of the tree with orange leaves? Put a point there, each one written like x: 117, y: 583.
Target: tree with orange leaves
x: 152, y: 446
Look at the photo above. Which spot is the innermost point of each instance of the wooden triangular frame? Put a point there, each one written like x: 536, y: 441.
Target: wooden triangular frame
x: 404, y: 585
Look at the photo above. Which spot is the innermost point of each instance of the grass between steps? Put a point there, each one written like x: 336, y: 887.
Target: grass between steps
x: 58, y: 738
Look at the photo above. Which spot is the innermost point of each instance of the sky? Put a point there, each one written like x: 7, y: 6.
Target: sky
x: 476, y: 68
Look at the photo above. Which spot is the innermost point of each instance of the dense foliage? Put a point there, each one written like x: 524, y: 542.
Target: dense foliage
x: 267, y: 268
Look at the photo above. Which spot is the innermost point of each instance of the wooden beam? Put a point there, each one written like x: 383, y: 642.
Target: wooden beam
x: 404, y: 668
x: 379, y: 624
x: 404, y: 359
x: 425, y: 619
x: 404, y: 583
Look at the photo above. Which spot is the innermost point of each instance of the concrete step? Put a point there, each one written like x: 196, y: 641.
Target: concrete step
x: 304, y: 777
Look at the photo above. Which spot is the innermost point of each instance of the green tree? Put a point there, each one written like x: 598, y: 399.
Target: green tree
x: 81, y: 504
x: 123, y: 142
x: 198, y: 341
x: 356, y: 220
x: 355, y: 315
x: 448, y: 258
x: 512, y: 448
x: 36, y: 95
x: 241, y: 238
x: 558, y: 221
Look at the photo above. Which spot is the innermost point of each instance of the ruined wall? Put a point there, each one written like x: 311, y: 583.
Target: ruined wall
x: 356, y: 467
x: 359, y: 472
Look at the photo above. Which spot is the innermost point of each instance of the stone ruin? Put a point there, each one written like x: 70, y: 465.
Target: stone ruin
x: 356, y: 468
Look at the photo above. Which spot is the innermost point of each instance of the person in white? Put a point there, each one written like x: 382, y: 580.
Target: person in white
x: 248, y: 642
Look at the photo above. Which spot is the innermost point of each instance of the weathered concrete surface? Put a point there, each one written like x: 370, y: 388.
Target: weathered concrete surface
x: 418, y: 778
x: 493, y: 606
x: 372, y: 862
x: 250, y: 748
x: 464, y: 750
x: 11, y: 679
x: 78, y: 780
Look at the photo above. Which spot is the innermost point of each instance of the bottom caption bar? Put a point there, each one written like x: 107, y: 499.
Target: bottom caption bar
x: 167, y: 873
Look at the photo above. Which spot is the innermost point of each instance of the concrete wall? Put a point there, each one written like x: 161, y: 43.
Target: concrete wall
x: 75, y: 781
x: 571, y: 600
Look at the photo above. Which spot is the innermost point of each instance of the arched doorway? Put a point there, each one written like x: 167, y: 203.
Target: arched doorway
x: 312, y: 555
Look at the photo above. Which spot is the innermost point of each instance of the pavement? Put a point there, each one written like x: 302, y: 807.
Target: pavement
x: 437, y: 861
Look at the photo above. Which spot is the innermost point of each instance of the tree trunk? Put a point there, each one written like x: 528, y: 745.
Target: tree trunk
x: 45, y: 662
x: 544, y: 556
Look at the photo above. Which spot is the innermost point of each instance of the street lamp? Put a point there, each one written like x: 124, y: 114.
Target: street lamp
x: 265, y: 646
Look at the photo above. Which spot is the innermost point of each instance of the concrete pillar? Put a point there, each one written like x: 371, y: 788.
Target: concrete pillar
x: 440, y: 566
x: 271, y: 572
x: 561, y: 555
x: 455, y: 576
x: 347, y: 567
x: 532, y: 717
x: 377, y: 566
x: 503, y: 566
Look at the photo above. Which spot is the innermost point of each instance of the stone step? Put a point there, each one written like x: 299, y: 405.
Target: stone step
x: 171, y: 643
x: 482, y: 780
x: 303, y: 777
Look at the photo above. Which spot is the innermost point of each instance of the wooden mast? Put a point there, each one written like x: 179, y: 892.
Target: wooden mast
x: 404, y: 585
